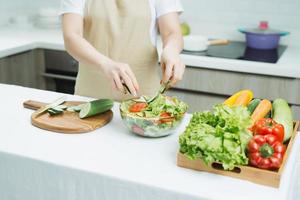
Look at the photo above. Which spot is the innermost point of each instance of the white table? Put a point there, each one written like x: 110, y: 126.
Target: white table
x: 108, y: 164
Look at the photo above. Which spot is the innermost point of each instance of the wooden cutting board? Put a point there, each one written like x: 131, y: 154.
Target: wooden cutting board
x: 68, y: 122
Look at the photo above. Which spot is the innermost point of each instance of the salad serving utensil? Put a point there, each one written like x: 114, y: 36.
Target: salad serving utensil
x: 125, y: 88
x: 163, y: 87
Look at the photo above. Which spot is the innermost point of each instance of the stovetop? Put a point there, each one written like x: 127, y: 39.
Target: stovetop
x: 239, y: 51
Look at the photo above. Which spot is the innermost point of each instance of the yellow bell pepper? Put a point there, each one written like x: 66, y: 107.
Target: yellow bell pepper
x: 232, y: 100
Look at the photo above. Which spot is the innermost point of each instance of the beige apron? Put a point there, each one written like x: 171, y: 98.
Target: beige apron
x: 120, y: 30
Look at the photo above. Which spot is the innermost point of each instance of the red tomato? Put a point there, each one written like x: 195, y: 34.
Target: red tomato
x: 137, y: 107
x: 166, y: 117
x: 165, y: 114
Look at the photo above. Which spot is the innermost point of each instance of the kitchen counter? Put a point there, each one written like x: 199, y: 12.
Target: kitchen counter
x: 16, y: 40
x: 109, y: 163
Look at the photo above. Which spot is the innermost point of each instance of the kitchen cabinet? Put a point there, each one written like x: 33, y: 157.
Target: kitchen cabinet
x: 226, y: 83
x: 202, y: 88
x: 23, y: 69
x: 40, y: 68
x: 296, y: 112
x: 197, y: 101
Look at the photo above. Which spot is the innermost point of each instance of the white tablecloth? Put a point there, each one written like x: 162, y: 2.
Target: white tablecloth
x: 108, y: 164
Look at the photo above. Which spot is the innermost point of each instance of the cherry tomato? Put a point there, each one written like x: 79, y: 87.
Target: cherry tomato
x: 137, y: 107
x: 166, y: 117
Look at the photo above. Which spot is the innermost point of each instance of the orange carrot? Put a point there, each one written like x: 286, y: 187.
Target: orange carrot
x: 261, y: 110
x: 243, y: 99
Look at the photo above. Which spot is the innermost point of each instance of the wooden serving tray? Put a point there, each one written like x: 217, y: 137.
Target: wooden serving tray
x: 253, y: 174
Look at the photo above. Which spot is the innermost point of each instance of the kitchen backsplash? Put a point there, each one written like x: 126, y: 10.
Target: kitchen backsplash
x: 214, y: 18
x: 222, y: 18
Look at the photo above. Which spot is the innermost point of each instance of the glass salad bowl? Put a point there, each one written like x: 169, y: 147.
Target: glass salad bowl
x: 158, y: 118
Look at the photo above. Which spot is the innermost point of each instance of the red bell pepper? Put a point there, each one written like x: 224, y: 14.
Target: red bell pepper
x: 268, y: 126
x: 265, y: 151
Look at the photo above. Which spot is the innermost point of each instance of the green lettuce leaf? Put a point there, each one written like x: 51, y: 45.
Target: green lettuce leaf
x: 220, y: 135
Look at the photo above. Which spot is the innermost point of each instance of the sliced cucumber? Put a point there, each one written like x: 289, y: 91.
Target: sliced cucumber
x: 95, y: 107
x: 56, y: 109
x: 53, y: 111
x: 62, y: 107
x: 74, y: 108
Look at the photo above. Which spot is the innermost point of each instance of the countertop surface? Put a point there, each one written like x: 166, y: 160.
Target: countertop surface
x: 114, y: 152
x: 16, y: 40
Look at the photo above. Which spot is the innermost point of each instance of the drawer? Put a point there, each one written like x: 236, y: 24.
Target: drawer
x: 197, y: 101
x: 226, y: 83
x: 296, y: 112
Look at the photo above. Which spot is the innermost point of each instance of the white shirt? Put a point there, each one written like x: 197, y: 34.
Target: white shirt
x: 158, y: 8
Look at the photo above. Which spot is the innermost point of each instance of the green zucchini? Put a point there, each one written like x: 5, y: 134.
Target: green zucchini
x: 252, y: 105
x: 282, y: 114
x: 95, y: 107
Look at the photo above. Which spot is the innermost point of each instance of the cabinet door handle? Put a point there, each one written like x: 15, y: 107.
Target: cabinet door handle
x: 57, y: 76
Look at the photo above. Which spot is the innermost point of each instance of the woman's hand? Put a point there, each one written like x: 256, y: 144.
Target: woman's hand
x: 119, y: 73
x: 170, y: 31
x: 172, y: 66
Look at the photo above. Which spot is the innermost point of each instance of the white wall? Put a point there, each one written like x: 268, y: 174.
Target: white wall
x: 214, y: 18
x: 221, y: 18
x: 9, y: 8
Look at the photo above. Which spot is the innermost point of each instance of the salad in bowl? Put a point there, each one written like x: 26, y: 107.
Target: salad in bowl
x: 155, y: 118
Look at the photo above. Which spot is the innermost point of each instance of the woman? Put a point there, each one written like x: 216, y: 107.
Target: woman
x: 114, y: 42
